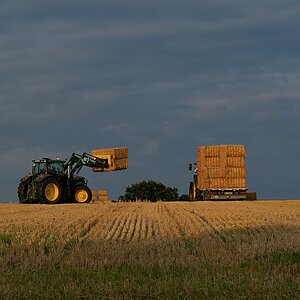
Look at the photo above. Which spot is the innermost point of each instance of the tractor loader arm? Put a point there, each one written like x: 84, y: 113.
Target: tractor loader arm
x: 77, y: 161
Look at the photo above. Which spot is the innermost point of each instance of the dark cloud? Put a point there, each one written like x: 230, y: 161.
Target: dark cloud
x: 160, y: 77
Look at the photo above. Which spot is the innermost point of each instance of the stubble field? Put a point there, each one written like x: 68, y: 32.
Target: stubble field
x: 151, y: 250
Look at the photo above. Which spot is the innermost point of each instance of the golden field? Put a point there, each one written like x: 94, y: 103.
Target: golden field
x: 259, y: 223
x: 213, y: 249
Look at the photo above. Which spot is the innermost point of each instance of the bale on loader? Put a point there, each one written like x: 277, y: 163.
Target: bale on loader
x: 117, y: 158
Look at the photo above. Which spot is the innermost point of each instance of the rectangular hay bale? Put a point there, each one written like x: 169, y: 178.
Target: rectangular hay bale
x: 102, y: 193
x: 216, y: 172
x: 103, y: 198
x: 94, y: 196
x: 236, y: 172
x: 236, y: 161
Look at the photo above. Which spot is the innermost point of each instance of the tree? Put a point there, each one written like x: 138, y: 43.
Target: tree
x: 149, y: 190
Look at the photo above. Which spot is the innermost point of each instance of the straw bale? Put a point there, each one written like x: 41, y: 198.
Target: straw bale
x: 100, y: 196
x: 121, y: 153
x: 235, y: 150
x: 213, y: 183
x: 236, y: 161
x: 103, y: 198
x: 213, y: 162
x: 107, y: 151
x: 94, y: 196
x: 211, y: 151
x: 235, y: 172
x: 121, y: 163
x: 203, y: 183
x: 223, y: 151
x: 203, y: 172
x: 218, y: 183
x: 116, y: 153
x: 102, y: 193
x: 236, y: 182
x: 201, y: 151
x: 216, y: 172
x: 201, y: 160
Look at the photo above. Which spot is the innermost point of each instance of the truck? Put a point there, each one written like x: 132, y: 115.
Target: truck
x: 219, y: 173
x: 54, y: 181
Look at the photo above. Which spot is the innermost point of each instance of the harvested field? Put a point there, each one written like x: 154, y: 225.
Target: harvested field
x: 213, y: 249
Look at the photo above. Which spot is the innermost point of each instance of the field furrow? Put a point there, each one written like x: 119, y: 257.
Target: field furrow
x: 122, y: 225
x: 127, y: 227
x: 116, y: 227
x: 132, y: 228
x: 143, y: 233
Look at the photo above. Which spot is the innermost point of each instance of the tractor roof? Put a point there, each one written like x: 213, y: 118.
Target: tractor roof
x: 48, y: 160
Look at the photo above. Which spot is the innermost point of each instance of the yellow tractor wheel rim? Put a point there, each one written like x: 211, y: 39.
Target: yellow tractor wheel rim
x: 81, y: 196
x: 51, y: 192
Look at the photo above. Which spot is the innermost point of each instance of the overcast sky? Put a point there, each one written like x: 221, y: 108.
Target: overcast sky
x: 159, y: 77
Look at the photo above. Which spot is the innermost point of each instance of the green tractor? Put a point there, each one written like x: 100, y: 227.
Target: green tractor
x: 56, y: 181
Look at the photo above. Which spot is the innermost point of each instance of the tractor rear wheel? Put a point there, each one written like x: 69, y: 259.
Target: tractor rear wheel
x: 49, y: 191
x: 82, y: 194
x: 22, y: 192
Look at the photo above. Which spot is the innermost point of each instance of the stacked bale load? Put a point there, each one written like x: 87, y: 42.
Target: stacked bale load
x: 221, y: 167
x: 117, y: 158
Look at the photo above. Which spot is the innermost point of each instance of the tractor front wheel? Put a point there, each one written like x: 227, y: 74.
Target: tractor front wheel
x: 82, y: 194
x: 49, y: 191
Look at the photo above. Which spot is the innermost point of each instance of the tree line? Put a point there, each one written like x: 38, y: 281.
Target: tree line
x: 150, y: 190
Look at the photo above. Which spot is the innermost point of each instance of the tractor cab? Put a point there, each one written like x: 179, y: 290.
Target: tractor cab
x: 47, y: 166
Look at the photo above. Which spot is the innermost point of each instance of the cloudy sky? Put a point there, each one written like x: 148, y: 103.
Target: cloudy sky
x: 159, y: 77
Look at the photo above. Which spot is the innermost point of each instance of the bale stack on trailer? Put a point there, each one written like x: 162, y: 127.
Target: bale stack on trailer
x: 117, y: 158
x: 221, y: 173
x: 221, y: 167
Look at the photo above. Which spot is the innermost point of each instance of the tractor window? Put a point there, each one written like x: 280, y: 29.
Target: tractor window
x: 56, y: 168
x: 39, y: 168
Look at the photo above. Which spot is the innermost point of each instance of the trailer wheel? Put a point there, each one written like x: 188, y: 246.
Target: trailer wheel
x: 82, y: 194
x: 199, y: 196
